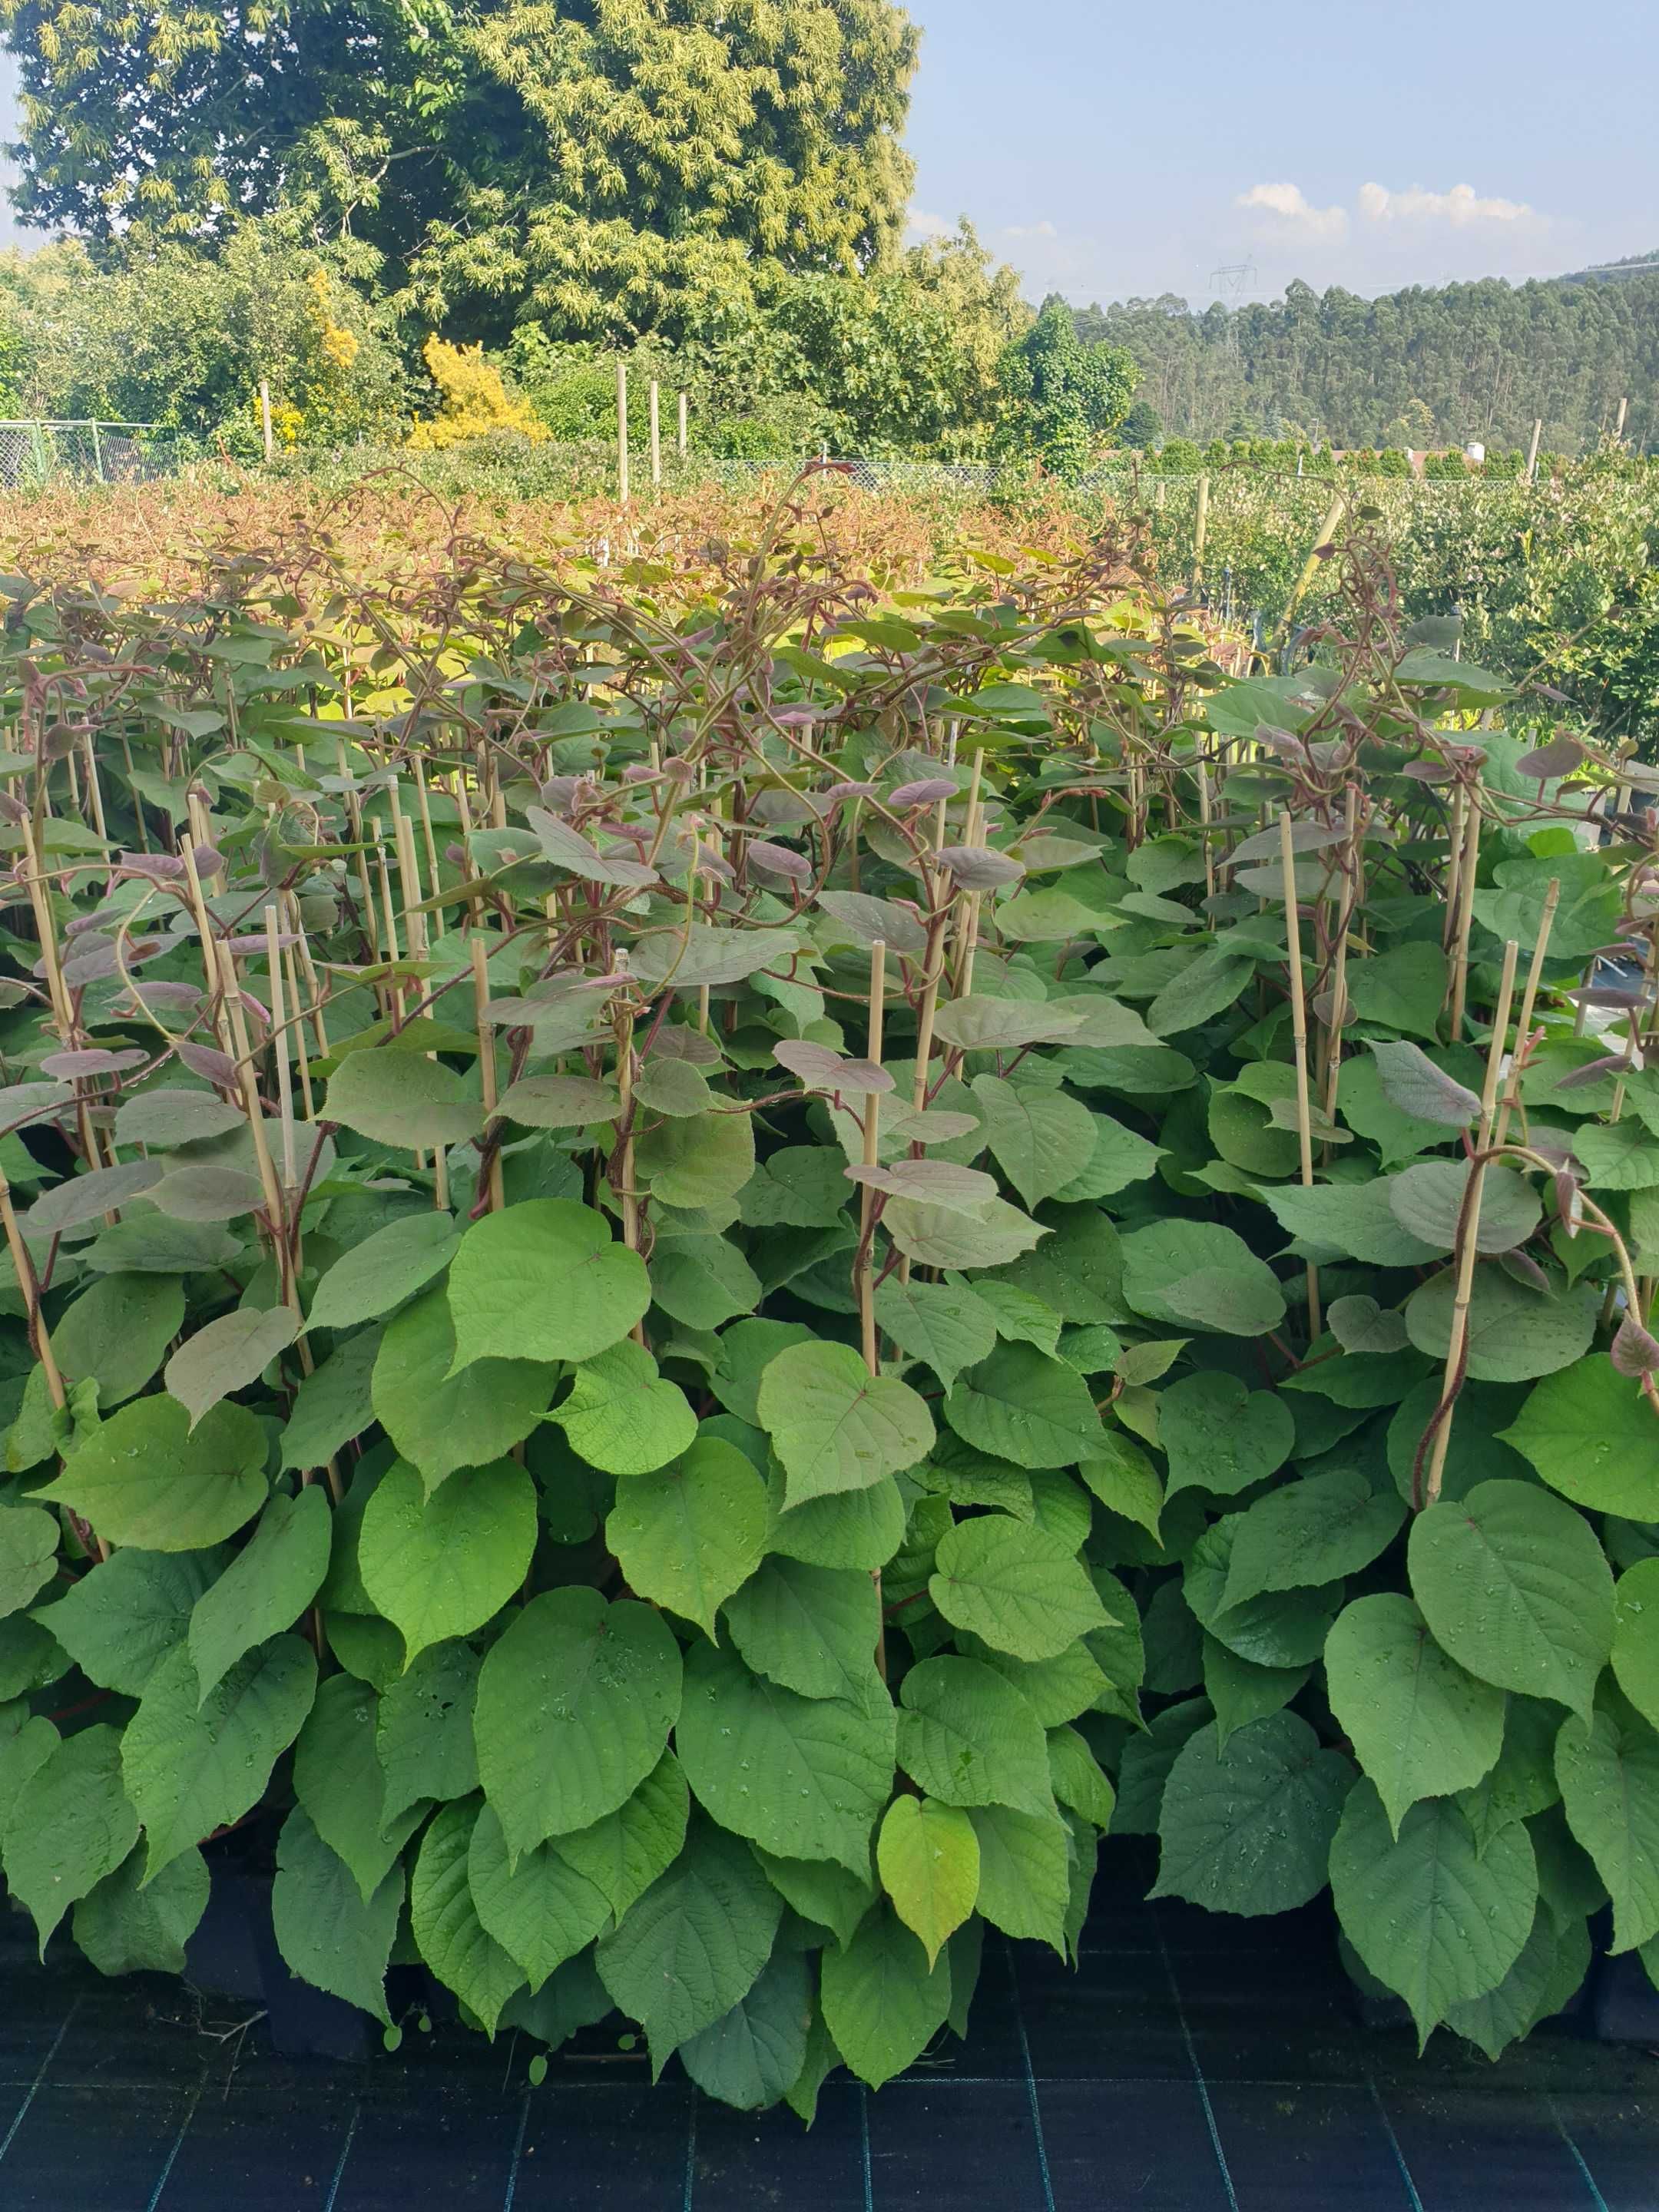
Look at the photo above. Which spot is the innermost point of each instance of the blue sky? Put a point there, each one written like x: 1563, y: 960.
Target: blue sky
x: 1108, y: 150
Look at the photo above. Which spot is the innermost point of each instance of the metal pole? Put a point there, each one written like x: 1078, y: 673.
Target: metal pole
x: 682, y: 426
x: 1200, y: 530
x: 621, y: 432
x: 264, y: 419
x: 97, y: 452
x: 656, y: 441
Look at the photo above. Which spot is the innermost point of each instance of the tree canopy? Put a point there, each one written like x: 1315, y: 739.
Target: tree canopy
x: 616, y: 165
x: 1427, y: 366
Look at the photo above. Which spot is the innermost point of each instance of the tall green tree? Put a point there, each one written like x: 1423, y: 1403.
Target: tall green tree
x: 609, y: 165
x: 1061, y: 395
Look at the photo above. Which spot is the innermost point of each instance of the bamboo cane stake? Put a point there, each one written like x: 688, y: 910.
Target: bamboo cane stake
x: 301, y: 1052
x: 967, y: 922
x: 486, y: 1063
x: 423, y: 802
x: 1299, y: 1037
x: 871, y: 1158
x: 279, y: 1041
x: 1471, y: 861
x: 30, y: 1291
x: 1528, y: 999
x: 1454, y: 875
x: 1471, y: 1228
x: 1351, y: 897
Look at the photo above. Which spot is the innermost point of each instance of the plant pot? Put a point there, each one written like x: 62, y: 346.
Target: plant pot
x: 233, y: 1954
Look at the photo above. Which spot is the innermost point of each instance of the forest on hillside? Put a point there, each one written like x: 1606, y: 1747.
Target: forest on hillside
x: 1425, y: 366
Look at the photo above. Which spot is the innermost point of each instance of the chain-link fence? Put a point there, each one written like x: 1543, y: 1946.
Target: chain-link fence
x: 34, y: 453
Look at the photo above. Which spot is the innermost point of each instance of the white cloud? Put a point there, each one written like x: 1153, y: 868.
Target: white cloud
x: 921, y: 225
x: 1029, y: 230
x: 1461, y: 206
x: 1291, y: 205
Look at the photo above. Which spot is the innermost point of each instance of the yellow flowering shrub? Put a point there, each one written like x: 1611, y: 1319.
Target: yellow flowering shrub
x: 475, y: 400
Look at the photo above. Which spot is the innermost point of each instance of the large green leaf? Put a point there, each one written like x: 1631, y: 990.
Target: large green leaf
x: 123, y: 1618
x: 1592, y: 1435
x: 445, y: 1923
x: 697, y: 1161
x: 266, y: 1588
x: 147, y: 1478
x: 574, y: 1705
x: 1024, y: 1873
x: 28, y: 1554
x: 424, y: 1728
x: 1513, y: 1584
x: 440, y: 1421
x: 543, y: 1281
x: 339, y: 1780
x: 118, y: 1332
x: 443, y: 1567
x: 540, y: 1908
x: 1636, y: 1636
x: 325, y: 1930
x: 804, y: 1777
x: 1516, y: 1333
x: 190, y: 1767
x: 1220, y: 1436
x: 968, y: 1736
x: 1356, y: 1218
x: 1608, y: 1770
x: 1436, y: 1920
x: 1021, y: 1407
x: 883, y: 2002
x: 1429, y: 1201
x: 695, y: 1944
x: 620, y: 1416
x: 68, y: 1827
x: 1310, y: 1532
x: 833, y: 1426
x: 227, y: 1355
x: 1403, y: 990
x: 374, y: 1277
x: 127, y: 1926
x: 753, y: 2054
x: 812, y: 1629
x: 623, y: 1854
x: 1037, y: 1137
x: 402, y: 1099
x: 929, y: 1856
x: 1196, y: 1274
x: 1420, y: 1725
x: 948, y: 1330
x: 1015, y: 1585
x: 689, y: 1534
x: 1247, y: 1826
x: 334, y: 1404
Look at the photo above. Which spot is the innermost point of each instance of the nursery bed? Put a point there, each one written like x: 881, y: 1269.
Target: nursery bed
x: 1190, y: 2064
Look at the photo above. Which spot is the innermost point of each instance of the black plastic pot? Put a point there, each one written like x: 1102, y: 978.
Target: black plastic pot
x: 233, y: 1954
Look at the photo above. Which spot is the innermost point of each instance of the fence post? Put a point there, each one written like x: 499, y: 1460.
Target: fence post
x: 656, y: 441
x: 1200, y: 530
x: 682, y: 426
x: 621, y: 432
x: 264, y: 419
x: 38, y: 441
x: 1532, y: 455
x: 98, y: 452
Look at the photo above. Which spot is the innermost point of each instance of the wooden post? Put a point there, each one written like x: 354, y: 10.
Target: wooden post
x: 1310, y: 566
x: 656, y: 441
x: 871, y: 1156
x: 1532, y: 451
x: 264, y: 419
x: 1619, y: 427
x: 1200, y: 530
x: 682, y: 411
x: 621, y: 432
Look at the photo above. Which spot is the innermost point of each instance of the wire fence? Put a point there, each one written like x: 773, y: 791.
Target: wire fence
x: 36, y: 453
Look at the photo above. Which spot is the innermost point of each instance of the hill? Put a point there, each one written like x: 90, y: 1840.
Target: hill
x: 1428, y: 366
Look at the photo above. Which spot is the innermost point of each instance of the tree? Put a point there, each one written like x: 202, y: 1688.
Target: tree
x: 612, y: 166
x: 1060, y: 395
x: 1141, y: 428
